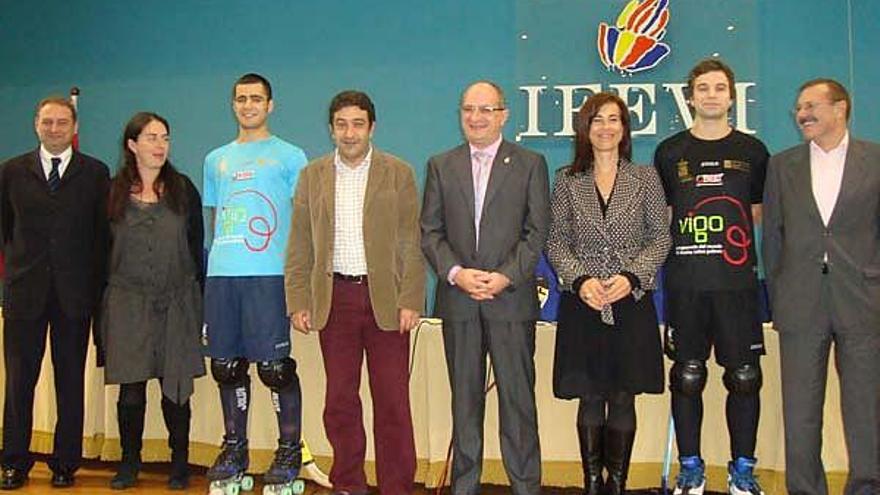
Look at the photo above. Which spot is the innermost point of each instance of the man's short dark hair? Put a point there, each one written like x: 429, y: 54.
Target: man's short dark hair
x: 55, y: 100
x: 836, y: 91
x: 711, y: 65
x: 352, y: 98
x: 253, y: 78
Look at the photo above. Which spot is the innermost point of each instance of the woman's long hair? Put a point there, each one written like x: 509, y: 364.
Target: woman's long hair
x: 169, y: 185
x: 583, y: 148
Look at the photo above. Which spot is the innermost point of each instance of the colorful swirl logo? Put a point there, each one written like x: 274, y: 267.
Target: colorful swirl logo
x: 737, y: 235
x: 633, y: 45
x: 262, y: 227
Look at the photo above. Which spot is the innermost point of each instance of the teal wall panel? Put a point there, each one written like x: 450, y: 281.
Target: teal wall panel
x: 179, y: 58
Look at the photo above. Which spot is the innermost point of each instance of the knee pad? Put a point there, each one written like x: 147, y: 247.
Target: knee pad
x: 688, y: 377
x: 230, y: 371
x: 278, y: 374
x: 744, y: 379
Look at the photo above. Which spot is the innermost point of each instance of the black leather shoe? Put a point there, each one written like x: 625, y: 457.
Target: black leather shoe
x: 12, y: 479
x: 62, y: 479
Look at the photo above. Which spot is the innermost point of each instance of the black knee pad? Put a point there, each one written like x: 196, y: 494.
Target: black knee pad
x: 745, y: 379
x: 230, y: 371
x: 278, y: 374
x: 688, y: 377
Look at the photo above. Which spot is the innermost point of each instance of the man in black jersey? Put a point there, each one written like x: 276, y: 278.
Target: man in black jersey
x: 713, y: 176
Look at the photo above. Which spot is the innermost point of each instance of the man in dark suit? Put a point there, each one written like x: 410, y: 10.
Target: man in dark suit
x: 484, y: 220
x: 53, y: 221
x: 822, y: 255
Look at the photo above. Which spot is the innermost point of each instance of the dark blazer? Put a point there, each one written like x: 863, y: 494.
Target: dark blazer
x: 55, y: 239
x: 795, y: 240
x: 632, y: 237
x: 513, y: 228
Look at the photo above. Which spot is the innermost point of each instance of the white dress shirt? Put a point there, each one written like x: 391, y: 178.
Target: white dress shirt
x: 826, y: 174
x: 46, y: 160
x: 349, y: 257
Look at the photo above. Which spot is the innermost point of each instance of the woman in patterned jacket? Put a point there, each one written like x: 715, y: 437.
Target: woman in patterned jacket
x: 609, y: 235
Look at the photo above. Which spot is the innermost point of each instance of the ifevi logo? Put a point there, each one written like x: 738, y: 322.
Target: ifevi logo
x: 634, y: 44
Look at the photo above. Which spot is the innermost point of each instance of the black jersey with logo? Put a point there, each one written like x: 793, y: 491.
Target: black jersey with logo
x: 711, y: 186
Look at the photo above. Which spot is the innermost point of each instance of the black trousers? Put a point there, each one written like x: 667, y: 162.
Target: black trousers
x: 24, y: 343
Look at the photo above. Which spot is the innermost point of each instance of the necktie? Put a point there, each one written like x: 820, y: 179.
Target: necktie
x: 54, y: 178
x: 481, y: 174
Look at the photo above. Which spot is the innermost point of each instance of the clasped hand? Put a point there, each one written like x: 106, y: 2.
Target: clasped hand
x: 481, y: 285
x: 596, y: 293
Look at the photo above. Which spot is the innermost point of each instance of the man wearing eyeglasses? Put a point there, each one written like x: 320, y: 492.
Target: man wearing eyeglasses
x: 822, y: 255
x: 484, y: 221
x: 53, y: 219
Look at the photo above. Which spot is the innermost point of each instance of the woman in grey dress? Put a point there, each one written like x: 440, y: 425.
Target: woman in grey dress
x: 151, y: 313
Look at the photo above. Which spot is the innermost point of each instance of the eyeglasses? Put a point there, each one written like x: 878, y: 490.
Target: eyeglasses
x: 154, y: 138
x: 483, y: 110
x: 810, y: 106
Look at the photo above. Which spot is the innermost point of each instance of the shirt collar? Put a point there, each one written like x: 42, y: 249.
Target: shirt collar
x: 341, y: 166
x: 47, y: 157
x: 839, y: 150
x: 490, y: 150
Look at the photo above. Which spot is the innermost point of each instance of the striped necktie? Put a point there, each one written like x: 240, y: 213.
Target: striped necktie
x: 481, y: 176
x: 54, y: 178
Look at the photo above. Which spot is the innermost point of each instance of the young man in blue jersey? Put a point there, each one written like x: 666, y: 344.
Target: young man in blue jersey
x: 248, y: 186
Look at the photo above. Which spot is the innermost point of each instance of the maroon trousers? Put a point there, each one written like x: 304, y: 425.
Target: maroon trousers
x: 351, y: 330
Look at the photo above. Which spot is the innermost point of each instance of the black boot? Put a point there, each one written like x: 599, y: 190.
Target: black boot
x: 618, y: 450
x: 131, y: 433
x: 177, y: 419
x: 590, y: 438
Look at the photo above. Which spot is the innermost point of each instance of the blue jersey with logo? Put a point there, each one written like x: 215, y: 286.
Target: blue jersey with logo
x: 250, y: 186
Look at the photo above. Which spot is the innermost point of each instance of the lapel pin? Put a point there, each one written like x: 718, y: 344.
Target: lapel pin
x: 507, y: 160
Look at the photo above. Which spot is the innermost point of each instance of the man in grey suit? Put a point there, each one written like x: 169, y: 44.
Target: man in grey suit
x: 822, y: 255
x: 484, y: 221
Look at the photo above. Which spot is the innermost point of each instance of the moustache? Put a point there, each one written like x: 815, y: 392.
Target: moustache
x: 807, y: 120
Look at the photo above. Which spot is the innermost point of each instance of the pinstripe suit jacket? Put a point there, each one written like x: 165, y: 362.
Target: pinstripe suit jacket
x: 513, y: 228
